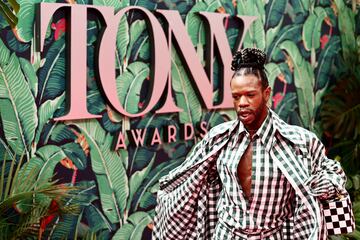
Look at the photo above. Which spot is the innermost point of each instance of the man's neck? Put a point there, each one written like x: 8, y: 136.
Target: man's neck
x: 252, y: 129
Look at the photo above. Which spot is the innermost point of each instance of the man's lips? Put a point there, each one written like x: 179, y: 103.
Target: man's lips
x: 245, y: 113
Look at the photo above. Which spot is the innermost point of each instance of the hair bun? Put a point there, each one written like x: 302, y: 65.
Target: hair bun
x: 248, y: 57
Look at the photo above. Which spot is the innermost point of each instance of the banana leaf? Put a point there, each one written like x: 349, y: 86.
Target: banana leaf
x: 275, y: 11
x: 185, y: 95
x: 122, y: 40
x: 271, y: 33
x: 96, y: 219
x: 312, y: 29
x: 14, y: 44
x: 62, y: 133
x: 65, y: 227
x: 110, y: 173
x: 136, y: 181
x: 26, y: 18
x: 52, y: 73
x: 137, y: 28
x: 8, y: 14
x: 109, y: 125
x: 117, y: 5
x: 346, y: 19
x: 141, y: 49
x: 30, y: 75
x: 289, y: 32
x: 255, y: 36
x: 325, y: 62
x: 150, y: 184
x: 273, y: 71
x: 133, y: 229
x: 129, y: 85
x: 46, y: 112
x: 287, y: 106
x: 17, y: 104
x: 300, y: 10
x: 304, y: 82
x: 194, y: 25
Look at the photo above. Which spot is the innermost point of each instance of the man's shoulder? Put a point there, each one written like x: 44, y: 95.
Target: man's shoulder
x: 294, y: 133
x: 221, y: 128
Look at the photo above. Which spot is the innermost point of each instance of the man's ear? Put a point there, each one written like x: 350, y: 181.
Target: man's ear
x: 267, y: 92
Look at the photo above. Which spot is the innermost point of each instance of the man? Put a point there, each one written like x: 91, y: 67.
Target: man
x: 252, y: 178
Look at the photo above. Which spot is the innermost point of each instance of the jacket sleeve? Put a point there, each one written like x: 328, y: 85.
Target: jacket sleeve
x: 327, y: 176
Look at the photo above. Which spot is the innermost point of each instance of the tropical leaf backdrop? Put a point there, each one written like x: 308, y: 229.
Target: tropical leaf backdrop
x: 307, y: 44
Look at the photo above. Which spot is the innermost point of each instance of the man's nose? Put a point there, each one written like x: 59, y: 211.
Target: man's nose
x: 243, y: 101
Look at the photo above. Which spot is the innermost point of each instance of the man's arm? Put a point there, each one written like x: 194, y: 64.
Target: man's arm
x: 328, y: 178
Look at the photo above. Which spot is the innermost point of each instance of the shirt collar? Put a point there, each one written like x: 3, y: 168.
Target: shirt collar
x: 266, y: 131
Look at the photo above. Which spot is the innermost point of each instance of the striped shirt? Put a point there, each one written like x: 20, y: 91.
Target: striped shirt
x: 270, y: 203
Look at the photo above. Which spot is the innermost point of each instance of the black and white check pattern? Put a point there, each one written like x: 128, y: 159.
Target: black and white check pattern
x: 338, y: 216
x: 188, y: 194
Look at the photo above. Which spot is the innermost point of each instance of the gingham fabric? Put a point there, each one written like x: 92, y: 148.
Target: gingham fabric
x: 188, y: 194
x: 270, y: 203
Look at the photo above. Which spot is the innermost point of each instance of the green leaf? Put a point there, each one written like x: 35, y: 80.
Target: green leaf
x: 96, y: 219
x: 326, y: 59
x: 271, y: 34
x: 46, y: 112
x: 304, y: 82
x: 289, y: 32
x: 76, y: 154
x: 255, y: 36
x: 151, y: 179
x: 312, y: 29
x: 274, y: 12
x: 185, y: 95
x: 7, y: 13
x: 129, y: 85
x: 273, y: 71
x: 52, y: 74
x: 141, y: 48
x: 232, y: 36
x: 66, y: 225
x: 134, y: 229
x: 287, y: 106
x: 14, y: 44
x: 26, y: 18
x: 194, y: 25
x: 110, y: 173
x: 122, y: 39
x: 117, y: 5
x: 30, y: 75
x: 18, y: 110
x: 300, y: 9
x: 136, y: 180
x: 95, y: 101
x: 61, y: 133
x: 346, y: 19
x: 136, y: 29
x: 50, y: 156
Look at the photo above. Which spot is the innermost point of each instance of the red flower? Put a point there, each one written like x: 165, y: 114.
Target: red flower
x: 59, y: 27
x: 277, y: 98
x: 324, y: 40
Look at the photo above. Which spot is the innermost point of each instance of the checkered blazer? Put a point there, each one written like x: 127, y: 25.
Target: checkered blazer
x: 187, y: 197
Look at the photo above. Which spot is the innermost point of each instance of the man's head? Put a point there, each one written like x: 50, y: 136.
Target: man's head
x: 250, y: 88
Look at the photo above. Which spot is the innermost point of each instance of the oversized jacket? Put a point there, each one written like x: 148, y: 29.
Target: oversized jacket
x: 187, y: 197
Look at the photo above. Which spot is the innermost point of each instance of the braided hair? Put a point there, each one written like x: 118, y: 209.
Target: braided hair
x: 250, y: 61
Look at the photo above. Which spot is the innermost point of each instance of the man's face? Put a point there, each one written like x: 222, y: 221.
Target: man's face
x: 250, y: 100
